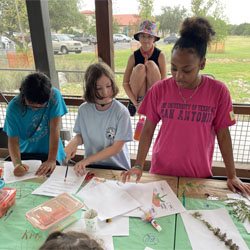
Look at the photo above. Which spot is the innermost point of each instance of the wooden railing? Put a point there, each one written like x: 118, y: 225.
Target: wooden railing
x: 242, y: 111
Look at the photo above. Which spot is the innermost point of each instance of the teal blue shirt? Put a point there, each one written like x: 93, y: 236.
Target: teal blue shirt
x: 23, y: 123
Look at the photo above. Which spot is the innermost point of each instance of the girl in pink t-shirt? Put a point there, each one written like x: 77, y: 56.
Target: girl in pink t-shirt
x: 193, y: 108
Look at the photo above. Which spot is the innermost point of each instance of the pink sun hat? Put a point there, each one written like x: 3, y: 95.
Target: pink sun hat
x: 147, y: 27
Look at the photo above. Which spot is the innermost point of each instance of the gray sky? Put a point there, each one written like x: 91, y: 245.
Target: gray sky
x: 237, y: 11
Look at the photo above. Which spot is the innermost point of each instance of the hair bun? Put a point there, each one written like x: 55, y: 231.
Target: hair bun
x: 197, y: 28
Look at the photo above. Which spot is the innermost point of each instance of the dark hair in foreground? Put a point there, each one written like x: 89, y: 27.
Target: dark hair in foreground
x: 93, y: 73
x: 196, y: 33
x: 36, y: 88
x: 70, y: 241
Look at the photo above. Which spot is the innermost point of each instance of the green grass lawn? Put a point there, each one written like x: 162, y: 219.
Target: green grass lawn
x: 231, y: 67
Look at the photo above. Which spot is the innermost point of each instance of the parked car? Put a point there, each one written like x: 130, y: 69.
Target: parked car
x: 84, y: 38
x: 171, y: 38
x: 6, y: 43
x: 70, y: 35
x: 121, y: 38
x: 64, y: 44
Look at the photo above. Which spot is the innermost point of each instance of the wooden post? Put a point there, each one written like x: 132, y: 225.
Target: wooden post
x: 104, y: 31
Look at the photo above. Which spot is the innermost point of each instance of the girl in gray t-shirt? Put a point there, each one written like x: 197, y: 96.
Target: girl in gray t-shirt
x: 103, y: 124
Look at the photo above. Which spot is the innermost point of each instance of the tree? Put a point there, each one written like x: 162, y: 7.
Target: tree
x: 65, y: 15
x: 241, y: 29
x: 213, y: 10
x: 219, y: 27
x: 115, y: 26
x: 9, y: 24
x: 171, y: 18
x: 146, y: 9
x: 230, y: 28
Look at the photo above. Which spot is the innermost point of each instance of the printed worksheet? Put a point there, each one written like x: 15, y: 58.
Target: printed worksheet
x: 9, y: 176
x: 56, y: 185
x: 108, y: 199
x: 157, y: 197
x: 163, y: 201
x: 217, y: 218
x: 142, y: 192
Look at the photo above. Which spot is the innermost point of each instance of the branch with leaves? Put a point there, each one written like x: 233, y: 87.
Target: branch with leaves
x: 240, y: 211
x: 222, y: 236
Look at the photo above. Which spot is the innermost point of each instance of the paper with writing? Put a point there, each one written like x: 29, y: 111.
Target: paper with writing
x: 56, y: 185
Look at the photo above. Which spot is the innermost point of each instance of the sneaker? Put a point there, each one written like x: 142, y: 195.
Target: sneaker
x: 131, y: 108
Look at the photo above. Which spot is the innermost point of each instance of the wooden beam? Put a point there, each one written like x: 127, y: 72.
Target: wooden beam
x: 104, y: 31
x: 39, y: 22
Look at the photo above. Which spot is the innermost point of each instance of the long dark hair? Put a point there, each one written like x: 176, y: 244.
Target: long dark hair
x: 196, y: 33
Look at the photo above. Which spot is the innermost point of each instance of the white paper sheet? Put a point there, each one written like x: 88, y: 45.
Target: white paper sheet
x: 240, y: 197
x: 108, y: 199
x: 158, y: 196
x: 56, y: 185
x: 142, y: 192
x: 94, y: 182
x: 201, y: 238
x: 163, y: 202
x: 9, y: 176
x: 106, y: 241
x: 118, y: 227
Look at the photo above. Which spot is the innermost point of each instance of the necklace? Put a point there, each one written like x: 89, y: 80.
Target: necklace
x: 103, y: 104
x: 190, y: 97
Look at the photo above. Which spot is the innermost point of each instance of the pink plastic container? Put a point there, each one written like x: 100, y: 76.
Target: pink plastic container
x: 55, y: 214
x: 7, y: 198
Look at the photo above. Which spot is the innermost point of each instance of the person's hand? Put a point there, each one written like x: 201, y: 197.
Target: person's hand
x: 70, y: 151
x: 46, y: 168
x: 80, y: 167
x: 133, y: 171
x: 235, y: 183
x: 20, y: 170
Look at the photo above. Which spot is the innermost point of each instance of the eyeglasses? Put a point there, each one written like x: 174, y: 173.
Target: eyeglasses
x: 45, y: 106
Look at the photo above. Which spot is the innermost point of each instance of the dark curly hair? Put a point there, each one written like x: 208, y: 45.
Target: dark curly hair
x: 36, y: 88
x: 196, y: 33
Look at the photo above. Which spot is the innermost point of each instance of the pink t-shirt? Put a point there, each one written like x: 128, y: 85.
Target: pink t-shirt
x: 185, y: 143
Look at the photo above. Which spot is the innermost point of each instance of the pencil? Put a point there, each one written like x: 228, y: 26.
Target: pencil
x: 66, y: 172
x: 20, y: 163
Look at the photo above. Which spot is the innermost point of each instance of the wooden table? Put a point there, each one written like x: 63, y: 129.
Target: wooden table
x: 201, y: 194
x: 200, y: 189
x: 146, y: 177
